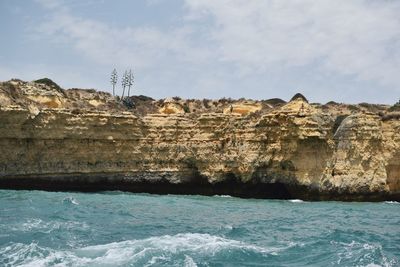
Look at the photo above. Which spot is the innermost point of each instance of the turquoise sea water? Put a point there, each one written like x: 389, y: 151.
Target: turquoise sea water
x: 122, y: 229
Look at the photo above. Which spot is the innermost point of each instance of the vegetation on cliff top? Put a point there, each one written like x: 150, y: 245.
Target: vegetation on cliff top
x: 43, y: 91
x: 49, y: 82
x: 297, y: 96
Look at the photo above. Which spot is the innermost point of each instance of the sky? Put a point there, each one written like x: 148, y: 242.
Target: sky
x: 345, y: 51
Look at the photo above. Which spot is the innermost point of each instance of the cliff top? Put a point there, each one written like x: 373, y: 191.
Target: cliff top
x: 45, y: 94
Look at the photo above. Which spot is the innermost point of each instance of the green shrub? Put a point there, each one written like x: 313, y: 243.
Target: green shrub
x: 186, y: 108
x: 206, y: 103
x: 48, y: 82
x: 128, y: 102
x: 395, y: 107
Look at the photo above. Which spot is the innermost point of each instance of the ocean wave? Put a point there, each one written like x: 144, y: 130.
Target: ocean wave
x: 222, y: 196
x: 361, y: 253
x: 21, y: 254
x: 176, y: 250
x: 38, y: 225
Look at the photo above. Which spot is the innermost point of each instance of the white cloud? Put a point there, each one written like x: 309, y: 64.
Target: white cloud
x: 142, y: 46
x: 221, y: 46
x: 358, y: 37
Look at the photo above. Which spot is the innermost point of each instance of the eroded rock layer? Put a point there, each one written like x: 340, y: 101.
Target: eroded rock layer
x: 76, y: 139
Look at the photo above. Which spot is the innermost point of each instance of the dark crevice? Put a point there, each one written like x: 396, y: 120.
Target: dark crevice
x: 194, y: 186
x: 338, y: 121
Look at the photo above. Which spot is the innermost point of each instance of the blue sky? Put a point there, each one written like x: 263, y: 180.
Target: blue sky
x: 346, y: 51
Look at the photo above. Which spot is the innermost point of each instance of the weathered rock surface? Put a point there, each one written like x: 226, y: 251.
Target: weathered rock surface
x: 77, y: 139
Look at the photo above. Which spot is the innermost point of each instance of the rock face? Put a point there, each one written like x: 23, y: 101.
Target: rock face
x: 77, y: 139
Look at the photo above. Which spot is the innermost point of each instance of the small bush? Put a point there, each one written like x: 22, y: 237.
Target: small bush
x: 128, y: 102
x: 48, y: 82
x: 372, y: 107
x: 395, y: 107
x: 353, y: 108
x: 143, y: 98
x: 391, y: 116
x: 298, y: 95
x: 225, y: 100
x: 206, y: 103
x: 186, y: 108
x: 274, y: 101
x: 332, y: 103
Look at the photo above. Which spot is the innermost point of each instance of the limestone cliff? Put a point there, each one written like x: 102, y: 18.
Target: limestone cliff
x: 77, y: 139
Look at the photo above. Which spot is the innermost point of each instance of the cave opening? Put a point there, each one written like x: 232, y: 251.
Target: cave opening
x: 232, y: 186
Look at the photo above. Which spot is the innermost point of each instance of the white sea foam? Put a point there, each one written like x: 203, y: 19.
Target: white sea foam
x: 179, y: 249
x: 296, y: 200
x: 70, y: 200
x: 154, y: 260
x: 32, y: 224
x: 189, y: 262
x: 38, y: 225
x: 20, y: 254
x: 227, y: 226
x: 361, y: 252
x: 392, y: 202
x: 222, y: 196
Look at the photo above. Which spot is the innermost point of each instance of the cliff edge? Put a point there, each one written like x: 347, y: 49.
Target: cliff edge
x: 76, y: 139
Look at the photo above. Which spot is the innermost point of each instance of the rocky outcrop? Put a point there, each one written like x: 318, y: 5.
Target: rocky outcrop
x: 85, y: 140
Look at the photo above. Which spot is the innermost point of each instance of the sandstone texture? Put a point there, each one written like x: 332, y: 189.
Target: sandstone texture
x: 76, y: 139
